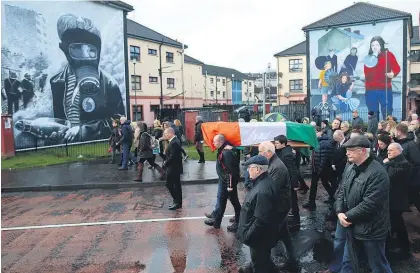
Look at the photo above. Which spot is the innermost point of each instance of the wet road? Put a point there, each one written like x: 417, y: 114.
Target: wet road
x: 132, y: 231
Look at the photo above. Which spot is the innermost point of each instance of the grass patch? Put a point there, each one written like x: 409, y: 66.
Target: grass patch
x: 59, y: 155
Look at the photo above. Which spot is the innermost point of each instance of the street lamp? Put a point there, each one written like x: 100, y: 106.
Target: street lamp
x: 227, y: 96
x: 135, y: 87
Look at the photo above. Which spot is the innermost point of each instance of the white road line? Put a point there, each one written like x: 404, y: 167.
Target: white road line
x: 107, y: 223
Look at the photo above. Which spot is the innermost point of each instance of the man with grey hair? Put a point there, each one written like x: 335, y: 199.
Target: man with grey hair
x: 278, y: 172
x: 362, y: 207
x: 198, y: 138
x: 259, y: 221
x: 173, y: 167
x: 227, y: 168
x: 399, y: 171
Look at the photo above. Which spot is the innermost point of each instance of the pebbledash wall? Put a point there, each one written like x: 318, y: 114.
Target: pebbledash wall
x: 63, y: 73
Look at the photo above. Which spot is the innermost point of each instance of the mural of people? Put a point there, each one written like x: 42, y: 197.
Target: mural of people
x: 13, y: 94
x: 67, y: 80
x: 375, y: 82
x: 379, y: 72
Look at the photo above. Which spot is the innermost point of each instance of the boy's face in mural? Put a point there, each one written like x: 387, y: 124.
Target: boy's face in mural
x: 343, y: 79
x: 376, y: 47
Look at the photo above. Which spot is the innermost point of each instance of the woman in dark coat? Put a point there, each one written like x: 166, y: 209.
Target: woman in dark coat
x: 114, y: 140
x: 399, y: 171
x: 383, y: 142
x: 158, y: 134
x: 145, y: 153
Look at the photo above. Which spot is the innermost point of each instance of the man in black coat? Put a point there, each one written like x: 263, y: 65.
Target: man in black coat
x: 399, y: 171
x: 411, y: 152
x: 259, y: 220
x: 285, y: 153
x: 198, y: 139
x: 278, y: 172
x: 362, y: 207
x: 321, y: 169
x: 173, y: 167
x: 227, y: 168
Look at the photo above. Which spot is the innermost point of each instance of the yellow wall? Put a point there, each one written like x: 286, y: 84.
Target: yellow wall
x: 283, y: 67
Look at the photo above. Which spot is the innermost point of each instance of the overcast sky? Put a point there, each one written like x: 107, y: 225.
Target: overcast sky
x: 242, y: 34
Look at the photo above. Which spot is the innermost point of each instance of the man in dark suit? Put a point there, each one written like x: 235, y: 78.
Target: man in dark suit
x: 173, y: 167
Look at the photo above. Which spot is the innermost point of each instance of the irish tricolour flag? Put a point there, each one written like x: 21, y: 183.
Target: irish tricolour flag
x: 250, y: 133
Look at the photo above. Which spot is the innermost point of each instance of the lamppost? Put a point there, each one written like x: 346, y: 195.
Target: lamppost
x: 135, y: 86
x: 227, y: 94
x: 264, y: 86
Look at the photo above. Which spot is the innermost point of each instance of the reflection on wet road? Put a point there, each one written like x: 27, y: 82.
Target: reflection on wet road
x: 163, y: 246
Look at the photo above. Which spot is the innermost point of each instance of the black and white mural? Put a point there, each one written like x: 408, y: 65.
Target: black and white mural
x: 62, y: 70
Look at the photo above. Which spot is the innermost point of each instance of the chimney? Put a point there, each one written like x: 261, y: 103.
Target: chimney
x: 357, y: 32
x: 347, y: 29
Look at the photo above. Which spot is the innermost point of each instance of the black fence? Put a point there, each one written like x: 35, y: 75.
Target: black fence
x: 90, y: 149
x: 348, y: 116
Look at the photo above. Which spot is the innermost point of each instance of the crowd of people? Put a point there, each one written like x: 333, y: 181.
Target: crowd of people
x: 370, y: 173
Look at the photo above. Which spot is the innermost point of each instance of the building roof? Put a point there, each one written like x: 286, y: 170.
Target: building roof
x: 224, y: 72
x: 138, y: 31
x: 415, y: 40
x: 358, y: 13
x: 191, y: 60
x: 299, y: 49
x: 118, y: 4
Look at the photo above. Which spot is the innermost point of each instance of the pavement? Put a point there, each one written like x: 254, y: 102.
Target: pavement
x: 98, y: 174
x: 131, y: 230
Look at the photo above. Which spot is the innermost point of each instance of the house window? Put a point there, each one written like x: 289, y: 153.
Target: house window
x: 211, y: 93
x: 250, y: 83
x: 177, y: 106
x: 167, y: 106
x: 153, y: 79
x: 135, y: 82
x: 137, y: 112
x: 224, y: 94
x: 169, y: 57
x: 415, y: 55
x: 135, y: 53
x: 295, y: 65
x: 170, y: 82
x: 152, y: 51
x: 223, y: 82
x: 211, y: 80
x: 154, y: 108
x: 296, y: 85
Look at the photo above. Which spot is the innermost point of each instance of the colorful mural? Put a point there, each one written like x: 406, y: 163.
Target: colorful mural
x: 357, y: 67
x: 63, y: 70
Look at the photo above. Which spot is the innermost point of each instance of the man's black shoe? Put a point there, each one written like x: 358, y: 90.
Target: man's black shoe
x: 233, y: 228
x: 309, y: 206
x: 289, y: 266
x: 211, y: 222
x: 175, y: 207
x: 209, y: 215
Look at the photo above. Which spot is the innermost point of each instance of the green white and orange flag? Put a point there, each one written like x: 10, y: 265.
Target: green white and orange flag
x: 250, y: 133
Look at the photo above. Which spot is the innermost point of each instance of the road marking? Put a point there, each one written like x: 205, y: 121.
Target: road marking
x: 107, y: 223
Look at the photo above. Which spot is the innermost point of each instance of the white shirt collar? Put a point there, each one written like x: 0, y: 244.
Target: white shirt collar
x: 172, y: 138
x: 342, y: 142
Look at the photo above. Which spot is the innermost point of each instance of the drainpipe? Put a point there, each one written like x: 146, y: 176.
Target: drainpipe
x: 161, y: 82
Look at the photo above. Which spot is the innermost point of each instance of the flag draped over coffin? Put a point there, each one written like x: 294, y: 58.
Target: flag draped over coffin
x: 249, y: 133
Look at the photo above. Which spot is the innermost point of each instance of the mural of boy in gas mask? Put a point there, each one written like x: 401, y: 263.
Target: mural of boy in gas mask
x: 82, y: 93
x: 380, y: 68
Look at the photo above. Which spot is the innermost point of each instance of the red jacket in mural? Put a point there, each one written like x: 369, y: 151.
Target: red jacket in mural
x: 375, y: 76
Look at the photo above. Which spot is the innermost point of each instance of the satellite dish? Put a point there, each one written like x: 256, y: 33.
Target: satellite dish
x: 370, y: 61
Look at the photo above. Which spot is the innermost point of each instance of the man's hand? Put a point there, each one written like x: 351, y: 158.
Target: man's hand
x: 72, y: 133
x: 343, y: 220
x: 333, y: 167
x: 386, y: 160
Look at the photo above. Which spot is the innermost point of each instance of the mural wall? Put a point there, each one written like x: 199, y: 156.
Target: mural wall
x: 357, y: 67
x: 62, y: 70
